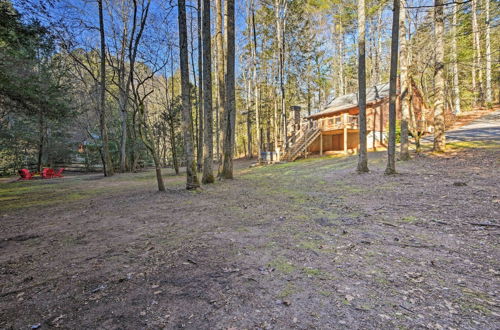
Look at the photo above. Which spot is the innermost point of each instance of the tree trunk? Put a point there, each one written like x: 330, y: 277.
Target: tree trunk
x: 477, y: 74
x: 208, y: 152
x: 187, y: 123
x: 230, y: 106
x: 363, y: 155
x: 198, y: 113
x: 201, y: 90
x: 159, y: 177
x: 107, y: 164
x: 123, y: 139
x: 456, y: 87
x: 221, y: 86
x: 391, y: 150
x: 173, y: 146
x: 249, y: 118
x: 41, y: 141
x: 217, y: 104
x: 489, y: 93
x: 378, y: 47
x: 440, y: 98
x: 405, y: 96
x: 341, y: 57
x: 280, y: 14
x: 255, y: 82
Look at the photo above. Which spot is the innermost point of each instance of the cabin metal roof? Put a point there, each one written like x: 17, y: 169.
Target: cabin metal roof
x: 349, y: 101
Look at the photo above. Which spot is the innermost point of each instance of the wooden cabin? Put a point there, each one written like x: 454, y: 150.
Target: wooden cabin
x: 335, y: 129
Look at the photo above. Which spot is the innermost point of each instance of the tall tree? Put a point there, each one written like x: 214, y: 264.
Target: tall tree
x: 439, y: 82
x: 363, y: 154
x: 405, y: 96
x: 230, y: 104
x: 126, y: 60
x: 187, y: 121
x: 281, y: 8
x: 477, y: 72
x: 489, y: 93
x: 255, y: 78
x: 456, y: 87
x: 220, y: 66
x: 200, y: 102
x: 208, y: 152
x: 107, y: 164
x: 393, y: 75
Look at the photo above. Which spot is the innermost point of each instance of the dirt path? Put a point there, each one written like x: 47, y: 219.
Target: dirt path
x: 304, y: 245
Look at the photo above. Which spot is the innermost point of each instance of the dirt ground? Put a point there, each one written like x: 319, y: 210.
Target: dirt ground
x: 309, y: 244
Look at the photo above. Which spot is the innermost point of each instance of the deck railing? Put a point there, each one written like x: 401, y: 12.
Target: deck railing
x: 338, y: 122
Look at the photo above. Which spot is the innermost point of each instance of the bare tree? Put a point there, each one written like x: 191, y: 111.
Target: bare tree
x: 208, y: 152
x: 255, y: 79
x: 230, y: 104
x: 477, y: 72
x: 393, y: 75
x: 221, y: 87
x: 281, y: 8
x: 489, y: 94
x: 456, y: 87
x: 187, y: 121
x: 201, y: 91
x: 405, y: 96
x: 363, y: 154
x: 146, y: 129
x: 107, y: 163
x: 124, y: 62
x: 439, y: 83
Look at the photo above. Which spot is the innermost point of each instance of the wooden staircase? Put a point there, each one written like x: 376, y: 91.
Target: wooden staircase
x: 299, y: 142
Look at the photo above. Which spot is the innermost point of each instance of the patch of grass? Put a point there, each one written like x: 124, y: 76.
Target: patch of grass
x: 349, y: 188
x: 287, y: 291
x: 472, y: 145
x: 49, y: 194
x: 242, y: 229
x: 325, y: 293
x: 382, y: 280
x: 308, y: 245
x: 409, y: 219
x: 471, y: 306
x: 312, y: 271
x: 283, y: 265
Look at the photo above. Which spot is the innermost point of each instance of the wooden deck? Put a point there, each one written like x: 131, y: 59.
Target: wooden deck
x: 312, y: 132
x: 340, y: 122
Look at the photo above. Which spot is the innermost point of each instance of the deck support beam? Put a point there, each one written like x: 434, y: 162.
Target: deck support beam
x: 321, y: 144
x: 345, y: 133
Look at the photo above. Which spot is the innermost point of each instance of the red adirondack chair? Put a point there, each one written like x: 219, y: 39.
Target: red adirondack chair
x: 47, y: 173
x: 58, y: 173
x: 25, y: 174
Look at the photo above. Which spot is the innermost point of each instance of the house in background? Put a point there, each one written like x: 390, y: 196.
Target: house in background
x: 336, y: 128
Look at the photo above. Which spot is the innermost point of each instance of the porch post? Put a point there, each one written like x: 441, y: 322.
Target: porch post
x: 321, y: 144
x: 345, y: 132
x: 374, y: 132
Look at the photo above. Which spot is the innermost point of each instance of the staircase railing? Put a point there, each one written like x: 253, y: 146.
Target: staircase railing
x: 304, y: 137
